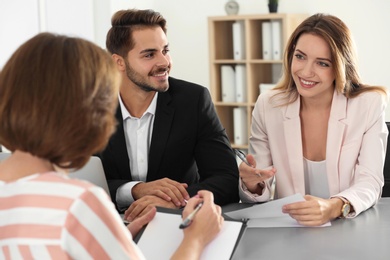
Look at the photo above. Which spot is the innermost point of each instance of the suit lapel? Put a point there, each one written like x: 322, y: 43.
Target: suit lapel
x: 117, y: 145
x: 161, y: 129
x: 336, y: 129
x: 293, y: 137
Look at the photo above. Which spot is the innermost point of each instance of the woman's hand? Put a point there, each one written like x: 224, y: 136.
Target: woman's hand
x: 205, y: 226
x: 254, y: 178
x: 314, y: 211
x: 207, y: 222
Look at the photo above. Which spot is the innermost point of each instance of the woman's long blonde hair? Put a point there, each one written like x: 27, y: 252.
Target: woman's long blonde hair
x: 339, y: 39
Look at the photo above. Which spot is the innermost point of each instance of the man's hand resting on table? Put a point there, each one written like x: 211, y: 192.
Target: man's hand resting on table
x: 166, y: 189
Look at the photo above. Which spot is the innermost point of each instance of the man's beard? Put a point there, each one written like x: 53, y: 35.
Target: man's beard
x: 138, y: 80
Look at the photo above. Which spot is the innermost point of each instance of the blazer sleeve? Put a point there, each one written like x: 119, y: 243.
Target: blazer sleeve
x: 259, y: 147
x: 366, y: 181
x: 215, y: 159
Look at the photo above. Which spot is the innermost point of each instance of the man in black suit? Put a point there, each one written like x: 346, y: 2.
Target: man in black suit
x: 169, y: 141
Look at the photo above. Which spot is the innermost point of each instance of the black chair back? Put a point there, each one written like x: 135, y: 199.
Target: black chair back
x: 386, y: 169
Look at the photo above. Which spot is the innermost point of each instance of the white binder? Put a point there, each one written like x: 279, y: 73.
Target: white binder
x: 267, y: 40
x: 241, y: 95
x: 276, y: 26
x: 240, y: 126
x: 227, y: 83
x: 239, y: 40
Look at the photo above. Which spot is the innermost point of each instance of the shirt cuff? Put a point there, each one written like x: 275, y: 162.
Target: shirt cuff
x: 124, y: 195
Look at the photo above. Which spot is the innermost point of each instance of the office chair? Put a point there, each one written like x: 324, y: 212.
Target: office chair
x: 4, y: 156
x: 93, y: 172
x: 386, y: 169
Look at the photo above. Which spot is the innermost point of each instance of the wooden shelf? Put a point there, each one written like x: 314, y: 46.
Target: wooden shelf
x: 258, y: 70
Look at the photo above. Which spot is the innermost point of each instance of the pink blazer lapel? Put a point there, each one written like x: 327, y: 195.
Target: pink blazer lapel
x: 293, y: 137
x: 336, y: 129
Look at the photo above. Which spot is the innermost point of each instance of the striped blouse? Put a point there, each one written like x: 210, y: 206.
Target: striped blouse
x: 49, y: 216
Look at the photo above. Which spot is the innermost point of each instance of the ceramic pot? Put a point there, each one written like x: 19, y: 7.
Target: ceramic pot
x: 273, y: 8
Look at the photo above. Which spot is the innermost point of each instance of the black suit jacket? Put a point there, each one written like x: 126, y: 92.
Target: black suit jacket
x: 188, y: 145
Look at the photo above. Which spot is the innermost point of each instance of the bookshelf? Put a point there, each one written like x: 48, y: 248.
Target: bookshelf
x: 258, y: 70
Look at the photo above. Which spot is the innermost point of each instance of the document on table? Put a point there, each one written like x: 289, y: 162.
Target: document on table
x: 269, y: 214
x: 162, y: 237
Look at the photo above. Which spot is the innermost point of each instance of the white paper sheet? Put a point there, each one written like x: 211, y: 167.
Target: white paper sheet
x: 269, y: 214
x: 162, y: 236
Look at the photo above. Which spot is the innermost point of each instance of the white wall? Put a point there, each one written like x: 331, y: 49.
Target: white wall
x: 13, y: 30
x: 22, y: 19
x: 188, y: 31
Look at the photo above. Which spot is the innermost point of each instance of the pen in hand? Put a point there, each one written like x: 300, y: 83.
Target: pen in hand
x: 242, y: 156
x: 188, y: 220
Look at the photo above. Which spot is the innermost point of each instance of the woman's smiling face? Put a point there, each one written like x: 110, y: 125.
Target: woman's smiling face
x: 312, y: 68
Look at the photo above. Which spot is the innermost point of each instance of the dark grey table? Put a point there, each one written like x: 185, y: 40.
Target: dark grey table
x: 365, y: 237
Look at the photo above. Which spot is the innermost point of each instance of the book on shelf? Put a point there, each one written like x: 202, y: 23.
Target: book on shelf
x: 240, y: 80
x: 276, y: 28
x: 238, y: 40
x: 240, y: 126
x: 228, y: 83
x: 267, y: 40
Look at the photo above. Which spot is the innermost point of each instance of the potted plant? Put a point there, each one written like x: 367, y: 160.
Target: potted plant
x: 273, y: 6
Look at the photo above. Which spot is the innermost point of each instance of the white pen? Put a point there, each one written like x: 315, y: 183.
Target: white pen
x: 187, y: 221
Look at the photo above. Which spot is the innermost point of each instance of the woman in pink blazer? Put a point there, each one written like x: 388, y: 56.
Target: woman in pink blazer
x: 320, y: 131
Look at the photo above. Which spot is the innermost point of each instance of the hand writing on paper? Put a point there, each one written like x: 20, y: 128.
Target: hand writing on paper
x: 254, y: 178
x: 143, y: 205
x: 208, y: 221
x: 165, y: 189
x: 314, y: 211
x: 205, y: 226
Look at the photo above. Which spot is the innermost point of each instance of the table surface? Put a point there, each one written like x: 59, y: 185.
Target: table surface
x: 365, y: 237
